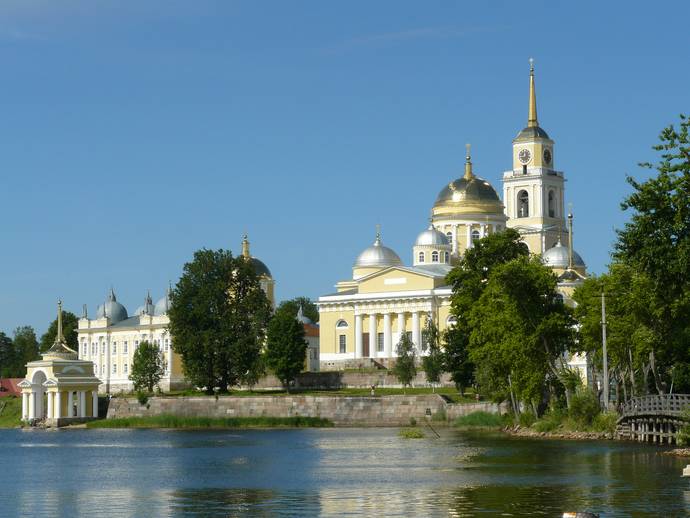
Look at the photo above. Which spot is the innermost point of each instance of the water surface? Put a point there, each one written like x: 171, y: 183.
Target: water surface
x: 329, y: 472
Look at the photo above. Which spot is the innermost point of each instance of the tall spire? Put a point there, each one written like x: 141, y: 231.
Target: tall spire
x: 59, y: 337
x: 570, y: 239
x: 468, y: 164
x: 245, y: 247
x: 532, y: 116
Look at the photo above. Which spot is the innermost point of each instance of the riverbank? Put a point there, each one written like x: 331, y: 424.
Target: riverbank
x: 577, y: 435
x: 10, y: 412
x: 176, y: 422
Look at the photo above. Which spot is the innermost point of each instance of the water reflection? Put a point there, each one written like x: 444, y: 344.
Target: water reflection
x: 356, y: 472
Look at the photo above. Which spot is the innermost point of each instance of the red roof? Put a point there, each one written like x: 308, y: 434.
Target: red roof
x: 8, y: 387
x: 311, y: 330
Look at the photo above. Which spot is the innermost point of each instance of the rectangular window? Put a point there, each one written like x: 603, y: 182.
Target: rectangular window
x: 342, y: 341
x: 136, y: 344
x: 379, y: 342
x: 167, y: 344
x: 124, y: 345
x: 114, y: 368
x: 102, y: 348
x: 114, y: 347
x: 126, y: 367
x: 93, y: 348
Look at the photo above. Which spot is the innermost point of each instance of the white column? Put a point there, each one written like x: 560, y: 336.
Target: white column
x: 372, y: 335
x: 50, y: 395
x: 469, y: 235
x: 70, y: 404
x: 401, y: 330
x: 94, y: 402
x: 358, y: 336
x: 32, y: 404
x: 455, y: 239
x: 25, y: 405
x: 387, y: 338
x: 107, y: 365
x: 82, y: 403
x: 415, y: 330
x: 58, y: 405
x: 170, y: 362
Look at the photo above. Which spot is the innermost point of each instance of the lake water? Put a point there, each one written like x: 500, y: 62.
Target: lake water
x: 329, y: 472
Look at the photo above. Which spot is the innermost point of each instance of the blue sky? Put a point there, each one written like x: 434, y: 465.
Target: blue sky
x: 134, y: 133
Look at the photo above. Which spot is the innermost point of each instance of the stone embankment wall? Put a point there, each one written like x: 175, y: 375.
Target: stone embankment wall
x: 342, y: 410
x: 349, y: 379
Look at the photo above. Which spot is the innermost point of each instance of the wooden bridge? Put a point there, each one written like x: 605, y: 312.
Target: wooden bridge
x: 654, y: 419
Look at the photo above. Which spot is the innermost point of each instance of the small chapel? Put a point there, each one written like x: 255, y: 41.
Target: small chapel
x: 59, y: 389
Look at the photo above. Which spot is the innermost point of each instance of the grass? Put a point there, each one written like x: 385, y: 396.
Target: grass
x: 481, y: 420
x: 172, y: 421
x: 411, y: 433
x: 10, y: 412
x: 450, y: 392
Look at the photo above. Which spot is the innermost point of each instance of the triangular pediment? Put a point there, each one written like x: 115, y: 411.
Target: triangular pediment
x: 24, y: 384
x: 398, y: 278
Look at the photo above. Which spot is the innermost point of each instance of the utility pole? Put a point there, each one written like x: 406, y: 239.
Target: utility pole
x: 606, y: 359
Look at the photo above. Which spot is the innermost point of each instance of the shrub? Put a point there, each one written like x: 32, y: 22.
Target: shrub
x: 481, y: 420
x: 411, y: 433
x: 439, y: 415
x: 605, y: 422
x: 143, y: 398
x: 545, y: 425
x: 413, y: 421
x: 584, y: 407
x: 526, y: 419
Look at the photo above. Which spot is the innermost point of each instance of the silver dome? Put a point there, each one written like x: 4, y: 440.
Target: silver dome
x: 162, y: 305
x: 377, y: 255
x: 112, y: 309
x: 557, y: 257
x: 432, y: 237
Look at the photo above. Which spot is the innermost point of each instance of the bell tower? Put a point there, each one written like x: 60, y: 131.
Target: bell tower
x: 533, y: 191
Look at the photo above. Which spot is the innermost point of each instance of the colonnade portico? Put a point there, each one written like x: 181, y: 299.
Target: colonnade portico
x: 59, y: 404
x: 390, y: 340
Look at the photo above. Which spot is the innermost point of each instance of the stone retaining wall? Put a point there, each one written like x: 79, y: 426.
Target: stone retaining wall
x: 349, y: 379
x: 342, y: 410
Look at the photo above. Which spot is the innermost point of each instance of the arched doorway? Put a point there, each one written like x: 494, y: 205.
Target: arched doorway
x: 37, y: 404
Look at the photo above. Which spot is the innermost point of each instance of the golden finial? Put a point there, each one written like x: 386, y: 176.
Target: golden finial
x: 532, y: 116
x: 468, y: 164
x: 245, y: 247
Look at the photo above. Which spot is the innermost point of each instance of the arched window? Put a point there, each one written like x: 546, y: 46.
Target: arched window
x: 451, y: 321
x: 475, y: 235
x: 421, y: 257
x: 434, y: 256
x: 523, y: 204
x: 449, y: 235
x: 552, y: 204
x: 341, y: 324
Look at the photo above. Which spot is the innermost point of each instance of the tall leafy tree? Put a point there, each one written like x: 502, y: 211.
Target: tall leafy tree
x: 308, y: 307
x: 218, y: 318
x: 8, y: 356
x: 432, y: 363
x: 285, y: 346
x: 405, y: 368
x: 148, y: 366
x: 520, y: 329
x: 26, y: 348
x: 656, y: 241
x: 468, y: 279
x: 70, y: 326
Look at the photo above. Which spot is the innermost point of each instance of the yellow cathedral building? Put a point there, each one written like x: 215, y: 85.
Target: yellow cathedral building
x: 366, y: 315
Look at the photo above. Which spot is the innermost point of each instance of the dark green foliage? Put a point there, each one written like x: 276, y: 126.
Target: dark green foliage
x: 405, y: 369
x: 147, y: 367
x: 433, y: 361
x: 142, y: 398
x: 218, y: 318
x: 26, y: 348
x: 285, y: 346
x: 8, y: 356
x: 411, y: 433
x: 656, y: 243
x: 173, y: 421
x: 584, y: 407
x: 308, y: 307
x: 480, y: 420
x: 456, y: 359
x: 70, y: 325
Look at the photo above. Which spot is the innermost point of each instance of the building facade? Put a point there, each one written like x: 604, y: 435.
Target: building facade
x: 110, y: 339
x: 366, y: 315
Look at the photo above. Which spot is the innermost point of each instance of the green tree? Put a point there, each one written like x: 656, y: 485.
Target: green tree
x: 70, y: 326
x: 218, y: 316
x: 405, y: 369
x: 148, y: 366
x: 8, y: 356
x: 456, y: 359
x: 26, y: 348
x: 432, y: 363
x: 656, y: 242
x: 285, y: 346
x: 308, y: 307
x: 520, y: 330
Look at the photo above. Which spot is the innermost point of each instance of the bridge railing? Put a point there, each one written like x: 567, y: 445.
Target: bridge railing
x: 664, y: 404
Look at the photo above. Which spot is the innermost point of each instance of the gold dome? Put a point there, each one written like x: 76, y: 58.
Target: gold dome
x: 469, y: 194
